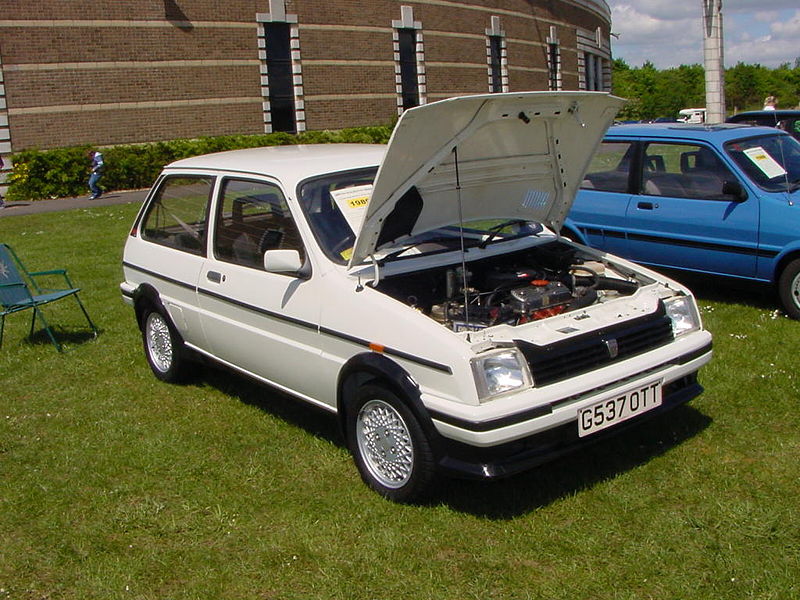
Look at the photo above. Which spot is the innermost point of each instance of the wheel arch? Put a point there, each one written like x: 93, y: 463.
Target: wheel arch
x: 783, y: 261
x: 372, y: 367
x: 146, y: 295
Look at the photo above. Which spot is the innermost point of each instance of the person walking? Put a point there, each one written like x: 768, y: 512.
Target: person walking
x: 97, y: 172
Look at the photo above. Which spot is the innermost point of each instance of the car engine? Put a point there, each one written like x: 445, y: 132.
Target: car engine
x: 510, y: 289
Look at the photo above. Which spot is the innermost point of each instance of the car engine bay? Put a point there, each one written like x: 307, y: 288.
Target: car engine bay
x: 512, y: 289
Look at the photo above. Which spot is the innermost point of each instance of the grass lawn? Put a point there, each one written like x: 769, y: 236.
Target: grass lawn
x: 114, y: 485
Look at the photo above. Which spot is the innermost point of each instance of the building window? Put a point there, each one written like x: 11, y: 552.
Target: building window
x: 593, y: 69
x: 409, y: 57
x: 496, y: 58
x: 594, y: 60
x: 495, y: 74
x: 588, y: 69
x: 553, y: 61
x: 407, y: 42
x: 281, y: 72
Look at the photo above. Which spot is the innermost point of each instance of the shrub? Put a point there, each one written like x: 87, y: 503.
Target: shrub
x: 63, y: 172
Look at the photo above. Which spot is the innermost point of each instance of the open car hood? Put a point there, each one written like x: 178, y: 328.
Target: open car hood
x: 493, y: 156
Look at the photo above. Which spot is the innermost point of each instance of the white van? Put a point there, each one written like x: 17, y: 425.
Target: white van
x: 692, y: 115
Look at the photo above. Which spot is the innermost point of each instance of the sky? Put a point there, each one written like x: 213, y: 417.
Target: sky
x: 668, y: 33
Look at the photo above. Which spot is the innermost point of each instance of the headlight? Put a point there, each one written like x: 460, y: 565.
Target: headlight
x: 683, y: 312
x: 500, y: 372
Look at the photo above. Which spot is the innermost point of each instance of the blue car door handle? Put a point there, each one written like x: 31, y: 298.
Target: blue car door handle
x: 646, y: 205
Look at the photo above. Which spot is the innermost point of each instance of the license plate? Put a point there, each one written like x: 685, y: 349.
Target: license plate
x: 619, y: 407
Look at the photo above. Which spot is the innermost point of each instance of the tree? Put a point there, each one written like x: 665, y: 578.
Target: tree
x: 653, y: 93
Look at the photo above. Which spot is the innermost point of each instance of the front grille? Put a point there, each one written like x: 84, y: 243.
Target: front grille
x: 583, y: 353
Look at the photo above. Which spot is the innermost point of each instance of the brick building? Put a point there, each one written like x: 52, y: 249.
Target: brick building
x: 106, y: 72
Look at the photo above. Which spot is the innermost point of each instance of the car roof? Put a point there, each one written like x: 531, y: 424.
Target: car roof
x: 720, y: 132
x: 291, y: 164
x: 769, y: 114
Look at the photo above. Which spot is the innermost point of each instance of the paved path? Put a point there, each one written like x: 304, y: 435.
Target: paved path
x: 41, y: 206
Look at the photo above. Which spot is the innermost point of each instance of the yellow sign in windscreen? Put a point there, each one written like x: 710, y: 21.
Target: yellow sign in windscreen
x: 352, y: 201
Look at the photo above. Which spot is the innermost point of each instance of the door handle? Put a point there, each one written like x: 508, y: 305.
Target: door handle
x: 647, y: 205
x: 215, y: 277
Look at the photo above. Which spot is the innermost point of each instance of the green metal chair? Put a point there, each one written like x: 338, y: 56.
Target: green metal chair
x: 19, y: 291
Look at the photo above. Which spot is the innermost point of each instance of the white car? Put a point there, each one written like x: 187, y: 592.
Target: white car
x: 419, y: 291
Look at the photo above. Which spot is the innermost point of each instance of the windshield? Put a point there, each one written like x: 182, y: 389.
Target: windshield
x: 771, y: 161
x: 321, y: 198
x: 334, y: 207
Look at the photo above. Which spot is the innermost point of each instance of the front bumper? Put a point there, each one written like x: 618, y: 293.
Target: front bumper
x: 463, y: 460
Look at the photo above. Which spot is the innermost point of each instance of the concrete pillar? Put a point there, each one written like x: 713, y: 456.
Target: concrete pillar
x: 714, y: 64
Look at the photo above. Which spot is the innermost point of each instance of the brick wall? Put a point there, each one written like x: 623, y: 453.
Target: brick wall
x: 111, y: 72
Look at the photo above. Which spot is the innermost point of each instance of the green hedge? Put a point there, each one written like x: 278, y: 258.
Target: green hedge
x: 64, y: 172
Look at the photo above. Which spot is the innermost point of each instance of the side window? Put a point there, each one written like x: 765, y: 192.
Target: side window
x: 684, y: 171
x: 177, y: 215
x: 791, y: 126
x: 610, y: 167
x: 253, y: 217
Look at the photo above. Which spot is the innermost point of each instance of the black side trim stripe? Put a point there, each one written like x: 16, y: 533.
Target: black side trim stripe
x: 696, y: 354
x: 541, y: 411
x: 300, y: 323
x: 177, y: 282
x: 604, y: 232
x: 527, y: 415
x: 699, y: 245
x: 258, y: 309
x: 329, y: 332
x: 758, y: 252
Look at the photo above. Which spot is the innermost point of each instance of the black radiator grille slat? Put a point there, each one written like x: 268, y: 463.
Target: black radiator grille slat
x: 581, y: 354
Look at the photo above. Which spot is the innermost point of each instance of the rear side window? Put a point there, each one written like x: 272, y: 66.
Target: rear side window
x: 177, y: 215
x: 253, y: 217
x: 610, y: 168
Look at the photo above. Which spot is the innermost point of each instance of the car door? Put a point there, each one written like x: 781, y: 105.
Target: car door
x: 601, y: 204
x: 681, y: 218
x: 260, y: 322
x: 173, y: 229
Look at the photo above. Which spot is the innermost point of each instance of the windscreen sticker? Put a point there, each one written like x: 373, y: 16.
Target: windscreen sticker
x: 765, y: 162
x: 352, y: 201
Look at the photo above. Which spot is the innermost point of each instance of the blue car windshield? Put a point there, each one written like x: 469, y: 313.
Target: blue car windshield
x: 771, y: 161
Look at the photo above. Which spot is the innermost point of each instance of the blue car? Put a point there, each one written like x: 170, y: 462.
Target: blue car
x: 720, y: 199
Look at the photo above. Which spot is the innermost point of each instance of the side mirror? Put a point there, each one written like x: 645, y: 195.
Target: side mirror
x: 734, y: 189
x: 284, y: 261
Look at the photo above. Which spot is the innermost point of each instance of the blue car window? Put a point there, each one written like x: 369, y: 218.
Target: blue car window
x: 771, y: 161
x: 610, y: 167
x: 683, y: 171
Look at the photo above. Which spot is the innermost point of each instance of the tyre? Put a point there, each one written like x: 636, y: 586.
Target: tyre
x: 163, y: 348
x: 789, y: 288
x: 388, y: 445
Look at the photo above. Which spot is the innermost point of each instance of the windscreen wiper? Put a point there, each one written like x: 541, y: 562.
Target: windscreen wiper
x: 498, y: 228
